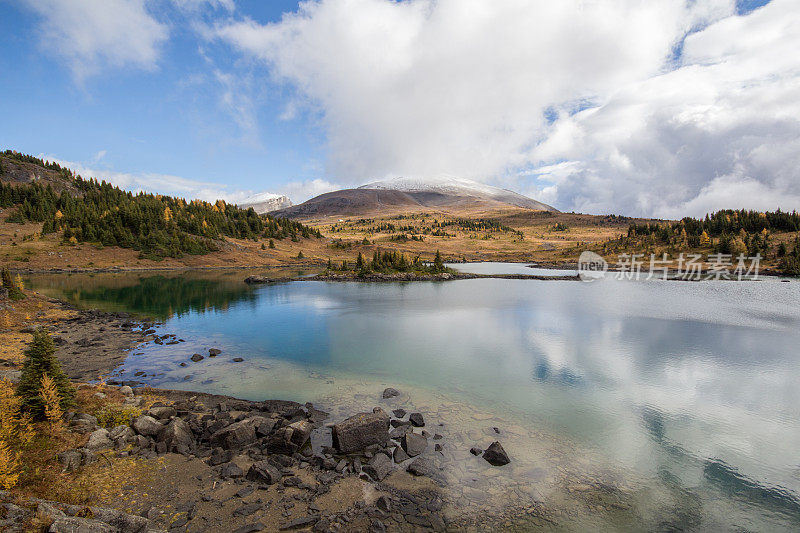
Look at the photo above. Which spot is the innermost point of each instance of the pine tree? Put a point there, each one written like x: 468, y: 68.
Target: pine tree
x: 438, y: 264
x: 271, y: 244
x: 40, y: 360
x: 14, y: 291
x: 360, y: 262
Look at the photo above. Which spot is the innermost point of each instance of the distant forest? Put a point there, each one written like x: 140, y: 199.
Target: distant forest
x: 155, y: 225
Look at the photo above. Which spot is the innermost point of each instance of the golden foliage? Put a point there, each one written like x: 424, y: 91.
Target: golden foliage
x: 9, y: 466
x: 52, y: 404
x: 16, y: 431
x: 19, y: 283
x: 705, y: 240
x: 113, y: 415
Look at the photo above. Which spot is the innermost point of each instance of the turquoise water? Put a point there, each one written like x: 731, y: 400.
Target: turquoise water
x: 685, y: 394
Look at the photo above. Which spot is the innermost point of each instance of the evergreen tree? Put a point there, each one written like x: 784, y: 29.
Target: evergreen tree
x: 40, y: 360
x: 438, y: 264
x: 271, y: 244
x: 13, y: 289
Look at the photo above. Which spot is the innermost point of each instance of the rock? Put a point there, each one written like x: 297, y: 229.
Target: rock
x: 398, y: 432
x: 496, y: 455
x: 263, y: 472
x: 247, y: 509
x: 384, y: 504
x: 125, y: 390
x: 399, y: 413
x: 389, y: 392
x: 400, y: 455
x: 122, y: 435
x: 197, y: 358
x: 475, y: 450
x: 416, y: 419
x: 74, y: 524
x: 177, y: 435
x: 70, y: 460
x: 230, y: 470
x: 237, y: 359
x: 99, y: 440
x: 379, y: 467
x: 250, y: 528
x: 163, y: 412
x: 299, y: 523
x: 413, y: 444
x: 147, y: 426
x: 421, y: 466
x: 213, y: 352
x: 301, y: 431
x: 360, y: 431
x: 219, y: 456
x: 238, y: 434
x: 83, y: 423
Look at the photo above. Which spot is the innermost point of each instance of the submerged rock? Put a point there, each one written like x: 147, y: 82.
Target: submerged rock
x: 416, y: 419
x: 197, y: 358
x: 389, y: 392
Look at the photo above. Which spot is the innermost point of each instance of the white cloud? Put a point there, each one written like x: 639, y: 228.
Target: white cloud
x: 160, y: 183
x: 588, y: 96
x: 300, y: 191
x: 91, y: 34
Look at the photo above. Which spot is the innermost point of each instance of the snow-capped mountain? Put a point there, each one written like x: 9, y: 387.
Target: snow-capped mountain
x: 458, y: 187
x: 265, y: 202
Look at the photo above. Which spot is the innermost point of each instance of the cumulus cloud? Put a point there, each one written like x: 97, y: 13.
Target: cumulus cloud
x: 645, y: 108
x: 92, y: 34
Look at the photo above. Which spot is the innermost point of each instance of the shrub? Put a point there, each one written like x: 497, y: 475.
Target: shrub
x: 40, y: 360
x: 113, y: 415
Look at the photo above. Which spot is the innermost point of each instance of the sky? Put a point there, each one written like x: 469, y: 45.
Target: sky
x: 641, y: 108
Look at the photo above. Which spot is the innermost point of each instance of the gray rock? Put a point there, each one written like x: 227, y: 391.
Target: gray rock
x: 301, y: 431
x: 125, y: 390
x: 70, y: 460
x: 197, y: 358
x: 84, y: 423
x: 74, y: 524
x: 389, y: 392
x: 238, y: 434
x: 231, y: 470
x: 398, y: 432
x: 399, y: 413
x: 300, y: 523
x: 475, y: 450
x: 400, y: 455
x: 147, y: 426
x: 421, y: 466
x: 379, y: 467
x: 263, y: 472
x: 99, y: 440
x: 163, y: 412
x: 177, y: 435
x: 360, y: 431
x: 413, y: 444
x: 496, y: 455
x: 220, y: 456
x: 416, y: 419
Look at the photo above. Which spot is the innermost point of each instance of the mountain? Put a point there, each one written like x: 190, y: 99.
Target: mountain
x: 410, y: 194
x: 265, y: 202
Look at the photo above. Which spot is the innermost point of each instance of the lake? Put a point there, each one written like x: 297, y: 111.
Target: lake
x: 623, y: 404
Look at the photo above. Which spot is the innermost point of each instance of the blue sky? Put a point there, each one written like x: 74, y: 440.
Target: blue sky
x: 667, y: 108
x: 169, y: 120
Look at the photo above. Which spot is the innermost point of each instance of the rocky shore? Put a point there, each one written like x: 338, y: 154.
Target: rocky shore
x: 403, y: 276
x: 247, y: 466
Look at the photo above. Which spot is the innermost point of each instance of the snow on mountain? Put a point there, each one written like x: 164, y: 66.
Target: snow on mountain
x: 452, y: 186
x: 264, y: 202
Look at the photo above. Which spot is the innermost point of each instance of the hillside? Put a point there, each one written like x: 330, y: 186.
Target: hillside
x: 405, y: 195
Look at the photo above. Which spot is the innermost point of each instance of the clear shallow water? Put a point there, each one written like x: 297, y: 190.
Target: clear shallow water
x: 683, y: 396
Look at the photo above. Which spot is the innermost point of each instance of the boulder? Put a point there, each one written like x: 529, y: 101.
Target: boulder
x: 147, y: 426
x: 231, y: 470
x: 213, y: 352
x: 83, y: 423
x: 399, y: 413
x: 177, y: 436
x: 220, y: 456
x: 360, y: 431
x: 416, y: 419
x: 421, y: 466
x: 301, y: 431
x: 99, y: 440
x: 125, y: 390
x: 163, y: 412
x: 379, y: 466
x: 399, y: 455
x: 389, y: 392
x: 73, y: 524
x: 239, y: 434
x: 413, y: 444
x: 70, y: 460
x: 495, y: 455
x: 263, y: 472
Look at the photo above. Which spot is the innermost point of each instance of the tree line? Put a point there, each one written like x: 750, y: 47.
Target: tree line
x: 155, y: 225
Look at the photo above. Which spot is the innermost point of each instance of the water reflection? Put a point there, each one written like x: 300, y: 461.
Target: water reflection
x: 694, y: 387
